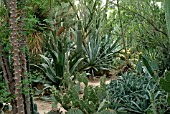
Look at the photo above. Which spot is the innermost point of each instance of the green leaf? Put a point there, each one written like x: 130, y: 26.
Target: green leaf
x: 46, y: 60
x: 148, y: 66
x: 102, y: 104
x: 139, y: 67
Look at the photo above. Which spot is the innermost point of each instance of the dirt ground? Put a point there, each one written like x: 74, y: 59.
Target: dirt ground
x: 44, y: 107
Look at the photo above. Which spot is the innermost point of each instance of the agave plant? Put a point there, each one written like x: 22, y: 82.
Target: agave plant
x: 137, y: 94
x: 99, y: 54
x: 54, y: 63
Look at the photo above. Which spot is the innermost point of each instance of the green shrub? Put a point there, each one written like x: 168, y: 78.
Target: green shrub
x: 137, y: 94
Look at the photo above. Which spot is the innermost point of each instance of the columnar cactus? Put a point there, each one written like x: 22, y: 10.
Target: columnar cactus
x: 167, y: 15
x: 79, y: 40
x: 16, y: 58
x: 23, y: 59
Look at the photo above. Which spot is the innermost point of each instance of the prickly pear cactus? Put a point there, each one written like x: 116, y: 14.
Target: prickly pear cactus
x: 165, y: 84
x: 91, y: 101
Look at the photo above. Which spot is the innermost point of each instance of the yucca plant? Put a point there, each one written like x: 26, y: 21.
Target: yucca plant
x: 99, y: 54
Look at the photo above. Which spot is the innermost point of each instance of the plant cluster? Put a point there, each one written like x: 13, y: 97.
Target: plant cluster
x: 87, y: 35
x: 137, y: 94
x: 92, y: 101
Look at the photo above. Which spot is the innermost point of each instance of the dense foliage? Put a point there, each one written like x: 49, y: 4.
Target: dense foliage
x: 137, y: 94
x: 48, y: 44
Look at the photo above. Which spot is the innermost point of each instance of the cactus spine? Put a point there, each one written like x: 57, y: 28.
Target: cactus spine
x: 16, y: 58
x: 23, y: 59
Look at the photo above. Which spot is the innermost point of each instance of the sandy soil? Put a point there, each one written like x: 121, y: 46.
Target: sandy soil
x: 43, y: 107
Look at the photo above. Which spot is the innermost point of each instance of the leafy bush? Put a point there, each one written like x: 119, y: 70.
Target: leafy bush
x: 93, y: 100
x: 137, y: 94
x: 99, y: 54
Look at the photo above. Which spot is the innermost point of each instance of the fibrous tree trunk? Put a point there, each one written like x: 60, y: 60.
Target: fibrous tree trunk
x: 15, y: 56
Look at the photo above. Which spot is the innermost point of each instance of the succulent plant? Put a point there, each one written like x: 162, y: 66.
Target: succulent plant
x: 92, y: 101
x: 16, y: 56
x: 35, y: 109
x: 137, y: 94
